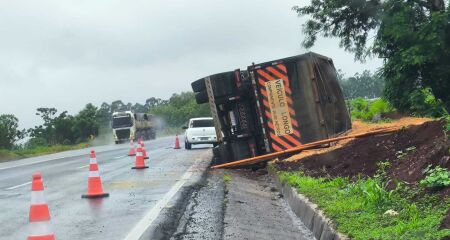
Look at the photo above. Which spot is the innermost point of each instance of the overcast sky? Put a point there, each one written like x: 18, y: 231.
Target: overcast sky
x: 65, y: 54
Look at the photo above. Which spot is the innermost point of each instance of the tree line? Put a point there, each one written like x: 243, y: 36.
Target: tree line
x: 63, y: 128
x: 412, y: 37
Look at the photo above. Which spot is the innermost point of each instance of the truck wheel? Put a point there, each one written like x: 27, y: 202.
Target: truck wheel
x: 201, y: 97
x: 152, y: 135
x: 223, y: 153
x: 187, y: 145
x: 117, y: 142
x: 240, y: 150
x: 215, y: 144
x: 198, y: 85
x: 223, y: 84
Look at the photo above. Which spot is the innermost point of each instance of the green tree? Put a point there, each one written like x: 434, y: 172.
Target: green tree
x: 137, y: 107
x: 179, y: 108
x: 45, y: 131
x: 63, y: 129
x: 9, y: 132
x: 412, y: 36
x: 117, y: 105
x: 104, y: 115
x: 86, y: 123
x: 153, y: 102
x: 57, y: 129
x: 364, y: 85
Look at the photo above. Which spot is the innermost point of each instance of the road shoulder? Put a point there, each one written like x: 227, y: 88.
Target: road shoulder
x: 256, y: 210
x: 237, y: 204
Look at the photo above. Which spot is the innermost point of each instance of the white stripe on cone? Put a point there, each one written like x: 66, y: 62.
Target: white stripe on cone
x: 139, y: 154
x: 40, y: 229
x: 37, y: 197
x: 94, y: 174
x: 92, y: 160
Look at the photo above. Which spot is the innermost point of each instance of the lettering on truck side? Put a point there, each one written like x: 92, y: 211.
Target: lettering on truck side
x: 279, y: 110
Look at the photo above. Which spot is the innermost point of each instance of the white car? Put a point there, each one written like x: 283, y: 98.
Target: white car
x: 200, y: 131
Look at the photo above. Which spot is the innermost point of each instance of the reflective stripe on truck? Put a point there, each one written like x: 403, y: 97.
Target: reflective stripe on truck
x: 274, y: 88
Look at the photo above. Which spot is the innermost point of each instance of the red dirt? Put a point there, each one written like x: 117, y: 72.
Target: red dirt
x: 360, y: 156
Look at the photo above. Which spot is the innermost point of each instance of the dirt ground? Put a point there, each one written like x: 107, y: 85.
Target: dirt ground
x: 410, y: 150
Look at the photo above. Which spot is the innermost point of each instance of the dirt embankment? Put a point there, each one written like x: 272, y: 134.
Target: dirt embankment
x: 410, y: 151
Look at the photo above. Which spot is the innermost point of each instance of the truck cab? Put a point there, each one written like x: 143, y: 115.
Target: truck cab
x: 127, y: 125
x: 123, y: 126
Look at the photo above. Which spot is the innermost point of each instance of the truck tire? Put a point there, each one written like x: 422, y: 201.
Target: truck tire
x: 198, y: 85
x: 201, y: 97
x: 224, y: 84
x: 240, y: 150
x: 223, y: 153
x: 152, y: 135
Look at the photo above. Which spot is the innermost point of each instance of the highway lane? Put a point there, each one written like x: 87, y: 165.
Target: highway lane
x: 133, y: 193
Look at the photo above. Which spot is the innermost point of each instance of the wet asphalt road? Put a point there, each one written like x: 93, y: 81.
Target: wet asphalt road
x: 133, y: 193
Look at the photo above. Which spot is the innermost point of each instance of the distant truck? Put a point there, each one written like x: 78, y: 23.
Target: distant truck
x: 273, y: 106
x: 127, y: 125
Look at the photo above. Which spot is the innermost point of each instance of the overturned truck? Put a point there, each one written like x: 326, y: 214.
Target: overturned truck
x: 273, y: 106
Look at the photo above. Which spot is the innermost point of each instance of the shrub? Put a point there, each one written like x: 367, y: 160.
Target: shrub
x: 436, y: 177
x: 423, y: 103
x: 366, y: 109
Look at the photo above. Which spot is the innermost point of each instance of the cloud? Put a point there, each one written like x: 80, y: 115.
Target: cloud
x: 65, y: 54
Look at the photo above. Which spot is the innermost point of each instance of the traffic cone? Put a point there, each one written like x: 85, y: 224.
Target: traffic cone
x: 132, y: 152
x: 177, y: 143
x: 39, y: 217
x: 95, y: 189
x: 144, y: 152
x: 139, y: 163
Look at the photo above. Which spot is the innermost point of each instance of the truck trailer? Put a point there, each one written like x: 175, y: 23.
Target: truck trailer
x: 127, y: 125
x: 273, y: 106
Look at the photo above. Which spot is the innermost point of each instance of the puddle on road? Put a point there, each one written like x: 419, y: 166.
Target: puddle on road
x: 133, y: 184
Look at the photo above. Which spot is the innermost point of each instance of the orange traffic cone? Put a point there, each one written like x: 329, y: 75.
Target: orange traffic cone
x: 95, y: 189
x: 177, y: 143
x: 144, y: 152
x: 132, y: 152
x: 139, y: 163
x: 40, y: 228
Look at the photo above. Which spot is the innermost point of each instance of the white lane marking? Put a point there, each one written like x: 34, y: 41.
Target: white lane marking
x: 18, y: 186
x: 118, y: 157
x: 151, y: 215
x: 83, y: 166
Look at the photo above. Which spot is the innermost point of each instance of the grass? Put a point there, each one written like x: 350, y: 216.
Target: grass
x: 358, y: 207
x: 226, y: 178
x: 37, y: 151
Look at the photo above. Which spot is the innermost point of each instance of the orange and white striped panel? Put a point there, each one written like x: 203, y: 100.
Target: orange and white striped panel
x: 276, y: 98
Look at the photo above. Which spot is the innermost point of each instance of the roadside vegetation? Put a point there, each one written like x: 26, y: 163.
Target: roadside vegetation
x: 365, y: 208
x: 178, y: 109
x: 413, y: 201
x: 226, y: 178
x: 61, y: 131
x: 39, y: 150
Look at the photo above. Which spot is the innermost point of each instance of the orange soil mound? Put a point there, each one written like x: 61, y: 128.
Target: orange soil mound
x: 361, y: 127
